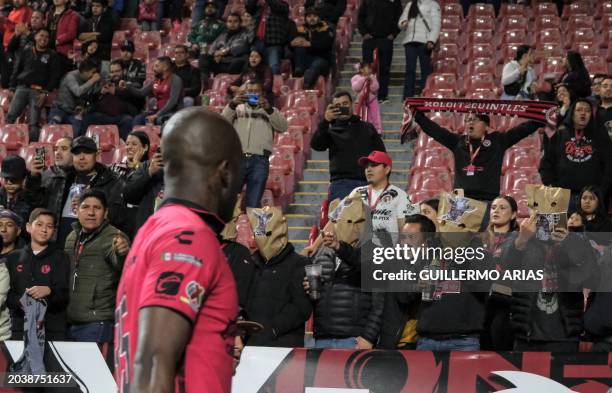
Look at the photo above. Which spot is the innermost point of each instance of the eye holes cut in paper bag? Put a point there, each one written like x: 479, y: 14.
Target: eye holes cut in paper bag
x: 550, y: 204
x: 270, y: 230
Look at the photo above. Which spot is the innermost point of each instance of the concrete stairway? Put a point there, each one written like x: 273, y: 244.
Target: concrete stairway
x: 312, y: 190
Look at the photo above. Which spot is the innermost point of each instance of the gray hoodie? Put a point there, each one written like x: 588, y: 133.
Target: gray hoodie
x: 72, y: 89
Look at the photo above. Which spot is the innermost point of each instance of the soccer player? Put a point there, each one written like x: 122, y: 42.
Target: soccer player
x: 177, y: 302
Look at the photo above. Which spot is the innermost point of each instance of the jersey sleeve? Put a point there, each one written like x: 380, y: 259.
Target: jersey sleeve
x: 402, y: 205
x: 182, y: 267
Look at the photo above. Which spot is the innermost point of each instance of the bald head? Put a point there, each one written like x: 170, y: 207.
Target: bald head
x: 202, y: 155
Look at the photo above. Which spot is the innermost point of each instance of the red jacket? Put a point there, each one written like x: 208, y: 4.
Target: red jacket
x: 15, y: 17
x: 66, y: 32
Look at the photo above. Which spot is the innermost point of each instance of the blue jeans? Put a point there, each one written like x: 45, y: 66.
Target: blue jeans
x: 98, y: 332
x: 60, y: 116
x: 123, y: 122
x: 340, y: 188
x: 466, y: 344
x: 413, y: 51
x: 274, y: 55
x: 311, y: 66
x: 336, y: 343
x: 254, y: 171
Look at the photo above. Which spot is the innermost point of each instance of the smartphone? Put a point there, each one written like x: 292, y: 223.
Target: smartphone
x: 252, y: 98
x: 40, y: 154
x: 343, y: 110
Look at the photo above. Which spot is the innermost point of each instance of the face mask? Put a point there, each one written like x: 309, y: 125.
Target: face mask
x: 550, y: 204
x: 270, y: 229
x: 348, y: 217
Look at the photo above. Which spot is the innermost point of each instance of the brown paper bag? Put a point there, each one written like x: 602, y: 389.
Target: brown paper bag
x: 460, y: 214
x: 550, y: 204
x: 229, y: 231
x: 348, y: 217
x: 270, y: 230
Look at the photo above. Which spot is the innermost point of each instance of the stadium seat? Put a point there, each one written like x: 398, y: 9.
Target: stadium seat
x: 580, y: 22
x: 479, y: 51
x: 299, y: 118
x: 452, y: 9
x: 51, y: 133
x: 450, y: 22
x: 547, y: 22
x: 606, y: 38
x: 5, y: 100
x: 546, y: 9
x: 515, y: 180
x: 443, y: 119
x: 575, y: 9
x: 120, y: 154
x: 514, y: 36
x: 447, y: 51
x: 441, y: 81
x: 515, y: 23
x: 606, y: 22
x: 604, y: 9
x: 480, y: 37
x: 276, y: 181
x: 481, y: 23
x: 14, y: 136
x: 520, y: 158
x: 481, y: 10
x: 3, y: 152
x: 440, y: 93
x: 108, y: 136
x: 544, y: 51
x: 430, y: 180
x: 530, y: 142
x: 449, y: 37
x: 552, y: 65
x: 595, y: 65
x: 434, y: 158
x: 152, y: 39
x: 130, y: 25
x: 511, y: 10
x: 447, y: 66
x: 482, y: 65
x: 549, y: 36
x: 28, y: 153
x: 424, y: 142
x: 222, y: 81
x: 245, y: 233
x: 587, y: 49
x: 420, y: 196
x: 481, y: 94
x: 480, y: 82
x: 118, y: 37
x: 306, y: 99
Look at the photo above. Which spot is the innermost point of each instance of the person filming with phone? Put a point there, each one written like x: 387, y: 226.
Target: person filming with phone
x: 347, y: 138
x: 255, y: 120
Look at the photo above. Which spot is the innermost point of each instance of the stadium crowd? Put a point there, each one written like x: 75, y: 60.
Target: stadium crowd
x: 67, y: 228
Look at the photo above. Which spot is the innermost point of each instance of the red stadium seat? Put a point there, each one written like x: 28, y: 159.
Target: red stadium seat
x: 547, y: 22
x: 299, y: 118
x: 444, y: 119
x: 276, y: 181
x: 548, y: 50
x: 215, y: 98
x: 479, y: 51
x: 449, y: 37
x: 441, y: 81
x: 447, y: 66
x: 514, y: 36
x: 120, y: 154
x: 607, y: 37
x: 108, y: 136
x: 546, y: 9
x: 580, y: 22
x: 222, y: 81
x: 480, y: 82
x: 440, y: 93
x: 595, y: 65
x: 481, y: 23
x: 481, y: 94
x: 447, y: 51
x: 480, y: 37
x: 305, y: 99
x: 118, y: 37
x: 3, y: 152
x: 450, y: 22
x: 452, y: 9
x: 482, y: 65
x: 606, y: 22
x: 549, y: 36
x: 582, y: 36
x: 576, y: 8
x: 434, y: 158
x: 5, y: 100
x: 520, y: 158
x: 587, y: 49
x: 604, y: 9
x: 552, y: 64
x: 482, y: 10
x: 430, y: 180
x: 516, y: 180
x: 14, y: 136
x: 28, y: 153
x: 530, y: 142
x: 425, y: 142
x: 129, y: 24
x: 510, y: 10
x: 51, y: 133
x: 507, y: 53
x: 515, y: 23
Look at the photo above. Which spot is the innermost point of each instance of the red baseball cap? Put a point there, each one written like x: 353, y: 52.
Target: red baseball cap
x: 377, y: 157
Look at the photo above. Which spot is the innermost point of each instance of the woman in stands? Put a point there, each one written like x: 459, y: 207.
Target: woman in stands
x: 255, y: 69
x: 429, y: 208
x: 576, y: 76
x: 500, y: 237
x: 592, y: 209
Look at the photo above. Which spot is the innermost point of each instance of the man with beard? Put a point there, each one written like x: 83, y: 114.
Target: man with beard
x: 36, y: 72
x: 176, y: 277
x: 166, y: 89
x: 229, y: 52
x: 312, y: 49
x: 112, y: 106
x: 206, y: 31
x: 604, y: 112
x: 134, y: 70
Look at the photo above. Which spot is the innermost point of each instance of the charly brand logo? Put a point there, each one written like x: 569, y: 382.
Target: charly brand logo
x: 531, y: 383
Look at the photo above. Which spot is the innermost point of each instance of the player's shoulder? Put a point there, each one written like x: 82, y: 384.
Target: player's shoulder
x: 180, y: 223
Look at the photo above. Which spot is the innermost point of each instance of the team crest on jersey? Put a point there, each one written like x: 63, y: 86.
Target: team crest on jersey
x: 195, y: 295
x: 486, y: 143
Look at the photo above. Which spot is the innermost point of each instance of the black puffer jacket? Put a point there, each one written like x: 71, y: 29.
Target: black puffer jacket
x: 343, y: 310
x: 277, y: 300
x: 573, y: 260
x: 140, y: 190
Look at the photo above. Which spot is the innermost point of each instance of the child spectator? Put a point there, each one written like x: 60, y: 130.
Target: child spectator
x: 365, y: 85
x: 147, y: 15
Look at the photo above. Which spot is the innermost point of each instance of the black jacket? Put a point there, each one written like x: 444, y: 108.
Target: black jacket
x: 379, y: 18
x: 191, y: 80
x: 597, y: 316
x: 579, y: 83
x: 570, y: 164
x: 484, y: 184
x: 399, y: 308
x: 243, y: 267
x: 329, y: 10
x: 105, y: 25
x: 36, y: 68
x: 343, y: 310
x: 277, y: 300
x: 50, y: 268
x: 346, y: 143
x: 140, y: 190
x: 321, y: 38
x: 280, y: 29
x: 604, y: 120
x: 22, y: 206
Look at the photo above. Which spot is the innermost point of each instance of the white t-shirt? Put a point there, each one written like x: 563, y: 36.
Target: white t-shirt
x: 387, y: 205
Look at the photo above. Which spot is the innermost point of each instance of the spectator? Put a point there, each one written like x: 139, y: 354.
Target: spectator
x: 254, y: 69
x: 255, y: 120
x: 519, y: 78
x: 61, y: 193
x: 421, y: 20
x: 365, y: 85
x: 100, y: 27
x: 90, y: 50
x: 564, y: 101
x: 97, y: 251
x: 63, y: 24
x: 345, y: 316
x: 576, y: 76
x: 166, y: 89
x: 312, y: 49
x: 36, y: 73
x: 10, y: 229
x: 206, y: 31
x: 62, y: 162
x: 134, y: 70
x: 347, y: 138
x: 276, y: 297
x: 144, y: 189
x: 111, y: 105
x: 147, y: 15
x: 329, y: 11
x: 596, y: 88
x: 478, y: 155
x: 429, y: 208
x: 199, y: 10
x: 243, y: 267
x: 228, y: 53
x: 248, y: 23
x: 13, y: 196
x: 274, y: 29
x: 5, y: 316
x: 604, y: 112
x: 400, y: 311
x: 578, y: 155
x: 19, y: 16
x: 24, y: 35
x: 72, y: 96
x: 189, y: 74
x: 41, y: 270
x: 377, y: 24
x: 592, y: 209
x: 597, y: 321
